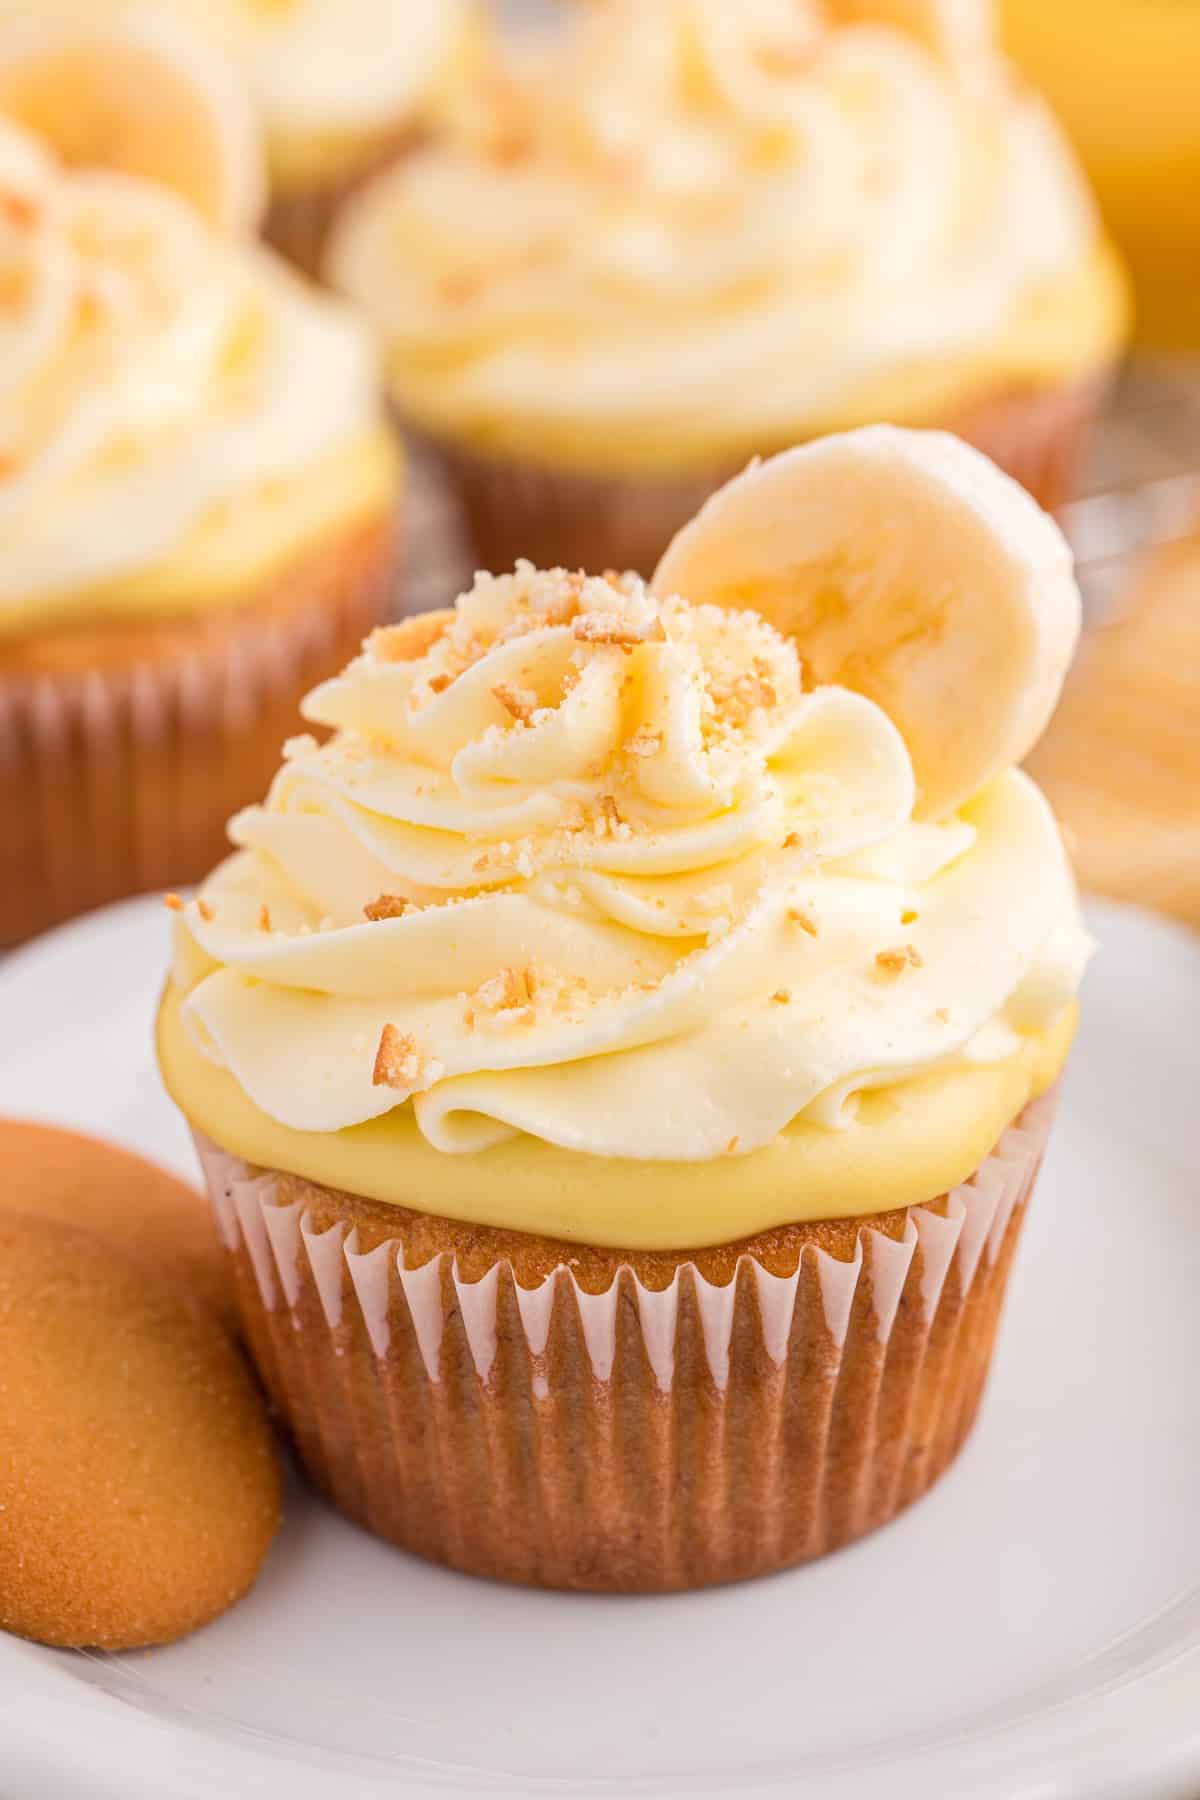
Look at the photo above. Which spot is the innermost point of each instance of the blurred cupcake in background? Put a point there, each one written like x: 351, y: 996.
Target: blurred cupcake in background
x: 197, y: 494
x: 691, y: 232
x: 341, y: 86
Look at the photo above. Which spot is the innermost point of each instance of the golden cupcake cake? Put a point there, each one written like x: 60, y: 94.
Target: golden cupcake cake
x: 622, y: 1054
x: 697, y: 232
x: 197, y: 498
x: 341, y: 86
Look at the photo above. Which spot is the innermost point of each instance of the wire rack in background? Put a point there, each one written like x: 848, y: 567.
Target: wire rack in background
x: 1141, y: 487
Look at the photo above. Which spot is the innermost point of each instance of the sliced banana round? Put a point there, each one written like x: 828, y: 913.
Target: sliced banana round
x: 142, y: 98
x: 908, y: 567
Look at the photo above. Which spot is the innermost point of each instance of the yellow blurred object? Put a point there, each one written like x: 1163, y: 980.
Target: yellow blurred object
x: 140, y: 99
x: 237, y: 547
x: 1121, y: 761
x: 1123, y: 77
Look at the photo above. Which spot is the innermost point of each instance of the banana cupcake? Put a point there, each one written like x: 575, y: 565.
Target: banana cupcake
x: 696, y: 232
x: 621, y: 1056
x: 341, y: 86
x: 197, y: 518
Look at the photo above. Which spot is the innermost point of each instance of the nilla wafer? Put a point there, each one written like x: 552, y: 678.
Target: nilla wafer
x: 139, y: 1482
x: 129, y: 1202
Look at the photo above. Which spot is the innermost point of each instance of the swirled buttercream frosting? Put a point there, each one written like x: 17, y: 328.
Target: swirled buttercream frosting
x: 151, y: 374
x: 584, y: 865
x: 707, y: 226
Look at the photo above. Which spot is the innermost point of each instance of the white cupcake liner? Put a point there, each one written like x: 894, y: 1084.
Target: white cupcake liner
x: 640, y: 1437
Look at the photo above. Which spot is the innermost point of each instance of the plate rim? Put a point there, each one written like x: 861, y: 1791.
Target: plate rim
x: 1140, y: 1724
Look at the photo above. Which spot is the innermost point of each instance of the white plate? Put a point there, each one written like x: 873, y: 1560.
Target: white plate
x: 1032, y: 1628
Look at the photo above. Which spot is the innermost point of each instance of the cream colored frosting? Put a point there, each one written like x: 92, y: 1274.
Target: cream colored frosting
x: 595, y: 867
x: 314, y: 65
x: 699, y: 212
x: 150, y: 374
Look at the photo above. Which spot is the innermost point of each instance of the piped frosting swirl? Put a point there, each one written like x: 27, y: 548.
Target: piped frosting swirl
x: 602, y: 868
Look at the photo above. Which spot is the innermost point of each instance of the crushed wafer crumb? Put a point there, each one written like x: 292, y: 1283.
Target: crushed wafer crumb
x: 644, y: 742
x: 610, y: 812
x: 732, y: 1145
x: 781, y: 996
x: 507, y: 990
x: 519, y: 702
x: 612, y: 628
x: 398, y: 1061
x: 942, y: 1016
x: 909, y: 917
x: 894, y: 962
x: 386, y: 906
x: 736, y: 699
x: 796, y: 917
x: 792, y: 841
x: 408, y: 639
x: 173, y: 902
x: 439, y: 683
x: 205, y: 911
x: 264, y: 918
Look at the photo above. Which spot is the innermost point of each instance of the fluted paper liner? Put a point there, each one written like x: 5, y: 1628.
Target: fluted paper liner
x: 120, y: 777
x: 561, y: 516
x: 633, y: 1439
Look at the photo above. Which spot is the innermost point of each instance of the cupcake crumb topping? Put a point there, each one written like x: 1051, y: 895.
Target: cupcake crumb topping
x: 400, y: 1064
x: 386, y: 906
x: 895, y: 962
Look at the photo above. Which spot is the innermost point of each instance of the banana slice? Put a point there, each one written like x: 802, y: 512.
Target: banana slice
x: 141, y: 99
x: 909, y: 568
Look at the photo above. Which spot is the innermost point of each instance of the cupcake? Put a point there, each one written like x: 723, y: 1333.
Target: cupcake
x: 197, y: 517
x: 621, y: 1055
x: 340, y: 85
x: 696, y: 232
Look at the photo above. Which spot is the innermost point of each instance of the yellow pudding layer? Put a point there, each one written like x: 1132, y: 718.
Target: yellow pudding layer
x: 237, y: 547
x: 907, y: 1144
x: 1061, y: 331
